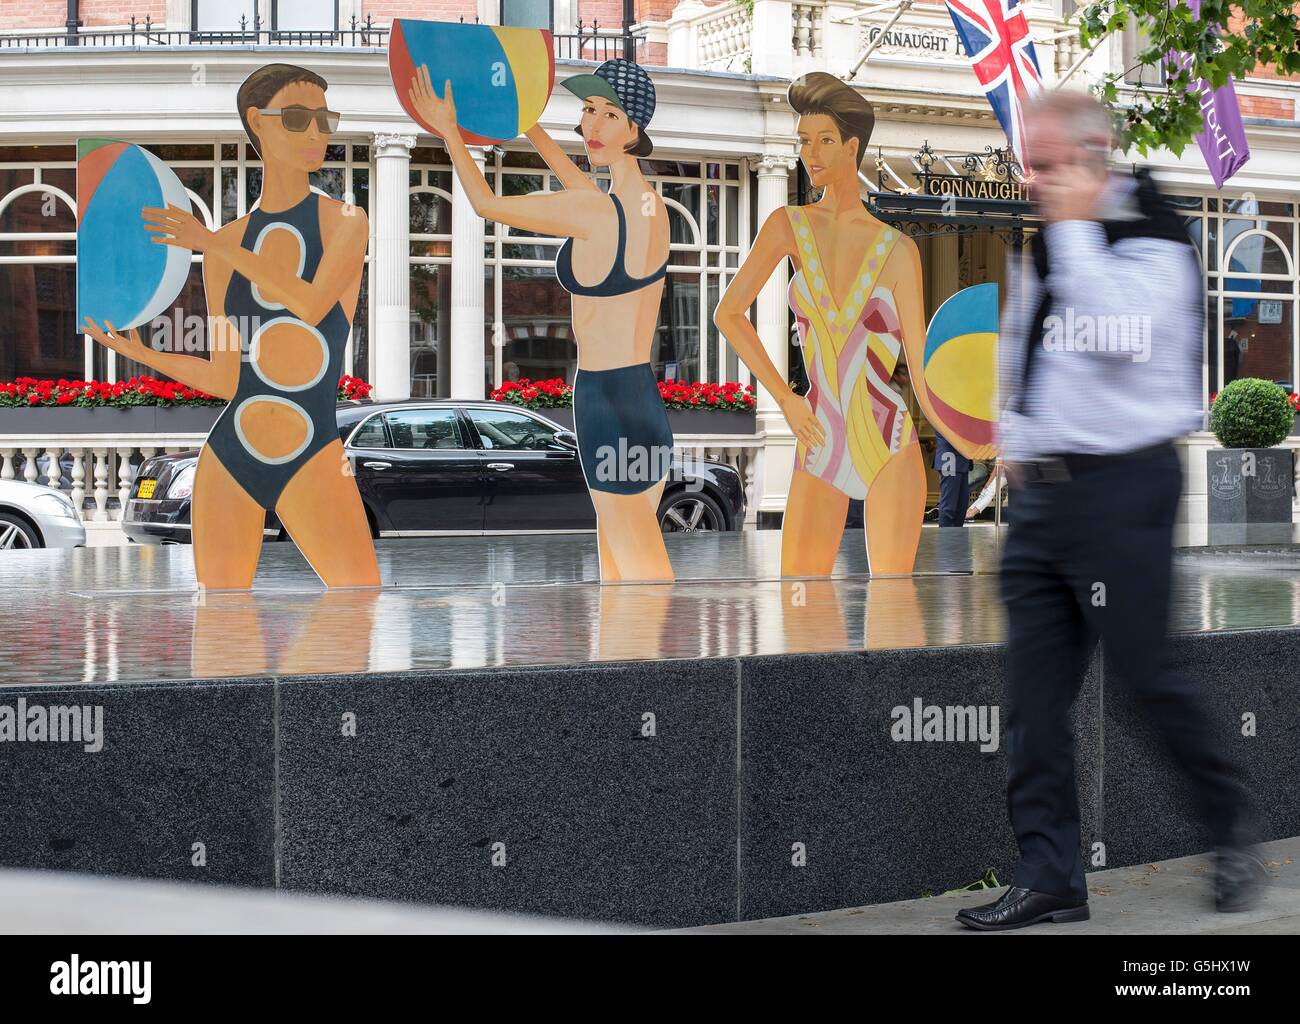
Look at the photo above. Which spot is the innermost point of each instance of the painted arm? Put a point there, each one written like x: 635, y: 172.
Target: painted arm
x: 773, y: 244
x: 576, y: 214
x: 562, y: 166
x: 310, y: 301
x: 217, y: 376
x: 902, y: 276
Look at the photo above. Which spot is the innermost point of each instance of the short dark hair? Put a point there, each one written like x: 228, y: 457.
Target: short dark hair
x: 262, y: 85
x: 820, y: 93
x: 643, y: 147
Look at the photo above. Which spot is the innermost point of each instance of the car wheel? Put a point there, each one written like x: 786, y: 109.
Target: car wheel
x: 690, y: 512
x: 15, y: 533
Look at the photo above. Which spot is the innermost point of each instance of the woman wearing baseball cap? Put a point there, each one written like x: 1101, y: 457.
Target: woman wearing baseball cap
x: 613, y: 263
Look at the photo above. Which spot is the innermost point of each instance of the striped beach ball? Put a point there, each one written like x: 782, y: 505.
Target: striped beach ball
x: 961, y: 366
x: 500, y: 77
x: 123, y: 276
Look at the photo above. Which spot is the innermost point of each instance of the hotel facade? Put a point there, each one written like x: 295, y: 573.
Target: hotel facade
x: 451, y: 306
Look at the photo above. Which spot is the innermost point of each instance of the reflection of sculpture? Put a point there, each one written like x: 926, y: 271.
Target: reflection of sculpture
x: 617, y: 241
x: 858, y: 304
x: 282, y: 284
x: 323, y: 632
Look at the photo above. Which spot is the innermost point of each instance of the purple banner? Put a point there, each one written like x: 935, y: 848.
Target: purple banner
x: 1223, y: 141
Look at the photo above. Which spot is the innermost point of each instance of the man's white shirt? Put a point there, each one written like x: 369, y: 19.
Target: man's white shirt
x: 1120, y: 364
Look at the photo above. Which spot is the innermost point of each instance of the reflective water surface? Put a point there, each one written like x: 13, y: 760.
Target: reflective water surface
x: 134, y: 614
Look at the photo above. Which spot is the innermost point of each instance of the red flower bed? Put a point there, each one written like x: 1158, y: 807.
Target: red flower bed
x: 729, y: 397
x: 555, y: 394
x: 535, y: 394
x: 124, y: 394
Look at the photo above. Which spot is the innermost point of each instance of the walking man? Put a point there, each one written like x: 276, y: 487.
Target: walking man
x: 1089, y: 414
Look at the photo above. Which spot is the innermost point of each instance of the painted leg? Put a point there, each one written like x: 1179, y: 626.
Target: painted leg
x: 629, y: 527
x: 608, y: 566
x: 227, y: 528
x: 894, y: 508
x: 321, y: 510
x: 813, y: 526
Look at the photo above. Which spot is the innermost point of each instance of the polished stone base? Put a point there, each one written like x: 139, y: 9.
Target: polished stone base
x: 708, y: 751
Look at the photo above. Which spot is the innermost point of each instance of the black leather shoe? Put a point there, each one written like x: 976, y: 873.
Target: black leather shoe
x: 1021, y: 907
x: 1239, y: 878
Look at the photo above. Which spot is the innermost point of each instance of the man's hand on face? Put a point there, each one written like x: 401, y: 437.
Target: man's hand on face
x: 1070, y: 192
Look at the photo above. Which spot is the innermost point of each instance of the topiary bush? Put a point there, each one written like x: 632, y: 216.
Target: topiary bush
x: 1251, y: 413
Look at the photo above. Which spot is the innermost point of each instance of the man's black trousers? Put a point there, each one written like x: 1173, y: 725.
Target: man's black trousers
x: 1089, y: 558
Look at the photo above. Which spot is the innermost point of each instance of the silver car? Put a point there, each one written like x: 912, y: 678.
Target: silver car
x: 32, y: 516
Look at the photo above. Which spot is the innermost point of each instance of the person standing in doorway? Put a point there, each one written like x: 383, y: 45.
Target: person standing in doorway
x: 954, y: 482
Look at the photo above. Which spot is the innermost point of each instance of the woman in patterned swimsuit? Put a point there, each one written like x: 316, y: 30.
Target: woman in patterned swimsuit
x: 857, y: 302
x: 282, y: 285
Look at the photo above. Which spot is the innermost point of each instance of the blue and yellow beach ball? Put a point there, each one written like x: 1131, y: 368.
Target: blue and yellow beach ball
x: 500, y: 77
x: 961, y: 366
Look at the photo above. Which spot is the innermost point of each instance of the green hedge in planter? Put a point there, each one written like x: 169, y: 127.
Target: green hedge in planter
x: 1251, y: 413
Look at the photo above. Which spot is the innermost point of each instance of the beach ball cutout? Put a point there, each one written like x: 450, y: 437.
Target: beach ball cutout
x: 961, y: 366
x: 501, y: 77
x: 123, y: 276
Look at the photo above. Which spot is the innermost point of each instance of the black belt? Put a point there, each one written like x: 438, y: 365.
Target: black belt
x: 1050, y: 469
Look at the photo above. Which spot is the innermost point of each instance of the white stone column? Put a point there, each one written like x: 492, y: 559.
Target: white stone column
x: 390, y: 278
x: 467, y: 313
x: 839, y: 40
x: 771, y: 37
x: 682, y: 52
x: 776, y: 461
x: 773, y: 172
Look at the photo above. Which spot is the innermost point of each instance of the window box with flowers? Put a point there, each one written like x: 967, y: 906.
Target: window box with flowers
x: 693, y: 408
x: 141, y: 405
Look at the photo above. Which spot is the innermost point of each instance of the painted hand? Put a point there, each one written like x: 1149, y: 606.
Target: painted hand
x: 174, y: 226
x: 128, y: 345
x: 803, y: 421
x: 438, y: 114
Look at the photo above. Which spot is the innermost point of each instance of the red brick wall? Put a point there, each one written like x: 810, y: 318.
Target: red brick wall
x: 1266, y: 106
x: 384, y: 11
x: 1236, y: 23
x: 53, y: 14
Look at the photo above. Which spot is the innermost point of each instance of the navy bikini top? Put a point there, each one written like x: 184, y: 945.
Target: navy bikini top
x: 617, y: 281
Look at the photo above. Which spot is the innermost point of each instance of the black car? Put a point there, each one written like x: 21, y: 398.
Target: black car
x: 440, y: 467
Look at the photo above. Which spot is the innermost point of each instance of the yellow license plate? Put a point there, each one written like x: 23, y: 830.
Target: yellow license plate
x: 146, y: 488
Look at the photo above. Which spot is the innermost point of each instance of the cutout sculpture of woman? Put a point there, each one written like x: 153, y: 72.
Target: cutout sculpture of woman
x: 613, y: 264
x: 282, y: 285
x: 857, y: 302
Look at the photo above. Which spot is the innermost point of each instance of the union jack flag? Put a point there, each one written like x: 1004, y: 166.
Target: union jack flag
x: 996, y: 36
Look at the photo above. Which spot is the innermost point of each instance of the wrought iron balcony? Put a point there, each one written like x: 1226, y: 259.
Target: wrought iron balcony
x: 590, y: 42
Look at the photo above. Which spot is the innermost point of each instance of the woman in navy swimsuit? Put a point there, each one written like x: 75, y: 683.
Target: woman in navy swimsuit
x: 282, y: 285
x: 613, y: 263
